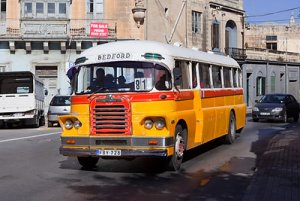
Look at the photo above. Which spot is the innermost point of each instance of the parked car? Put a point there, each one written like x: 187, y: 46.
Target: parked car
x: 276, y: 107
x: 59, y: 105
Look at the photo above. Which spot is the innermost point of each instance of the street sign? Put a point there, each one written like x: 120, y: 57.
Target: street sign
x: 98, y: 30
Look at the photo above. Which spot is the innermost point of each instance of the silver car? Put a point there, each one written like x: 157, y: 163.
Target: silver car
x: 59, y: 105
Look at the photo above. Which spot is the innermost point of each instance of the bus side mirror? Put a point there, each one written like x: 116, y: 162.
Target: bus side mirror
x: 177, y: 76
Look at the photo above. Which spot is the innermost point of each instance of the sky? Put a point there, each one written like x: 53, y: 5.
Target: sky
x: 283, y: 9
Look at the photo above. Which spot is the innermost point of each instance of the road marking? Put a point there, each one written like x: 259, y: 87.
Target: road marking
x: 28, y: 137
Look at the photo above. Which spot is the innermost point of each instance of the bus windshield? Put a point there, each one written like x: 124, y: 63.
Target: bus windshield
x: 122, y: 76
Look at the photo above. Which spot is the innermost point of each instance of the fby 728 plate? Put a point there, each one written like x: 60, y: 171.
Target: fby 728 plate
x: 100, y: 152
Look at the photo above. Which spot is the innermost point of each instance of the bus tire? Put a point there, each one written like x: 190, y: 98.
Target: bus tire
x: 174, y: 162
x: 88, y: 162
x: 231, y: 134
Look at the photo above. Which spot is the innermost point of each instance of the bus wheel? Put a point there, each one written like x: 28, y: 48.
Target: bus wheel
x: 88, y: 162
x: 230, y: 137
x: 175, y: 161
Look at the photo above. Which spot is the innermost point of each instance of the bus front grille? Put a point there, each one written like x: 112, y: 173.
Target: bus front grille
x: 110, y: 119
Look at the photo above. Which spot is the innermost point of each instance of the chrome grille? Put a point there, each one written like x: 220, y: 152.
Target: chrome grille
x: 110, y: 119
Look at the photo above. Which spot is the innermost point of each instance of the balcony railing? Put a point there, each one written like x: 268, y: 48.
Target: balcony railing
x: 236, y: 53
x: 54, y: 29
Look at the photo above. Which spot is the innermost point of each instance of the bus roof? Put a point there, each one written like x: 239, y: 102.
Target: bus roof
x: 142, y: 47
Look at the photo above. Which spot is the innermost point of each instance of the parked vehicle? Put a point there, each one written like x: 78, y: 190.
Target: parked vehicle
x: 21, y: 99
x: 59, y: 105
x: 276, y: 107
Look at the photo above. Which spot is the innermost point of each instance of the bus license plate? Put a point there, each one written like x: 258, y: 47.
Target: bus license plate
x: 108, y: 152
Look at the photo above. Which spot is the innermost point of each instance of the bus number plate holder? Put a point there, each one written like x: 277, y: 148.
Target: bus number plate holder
x: 100, y: 152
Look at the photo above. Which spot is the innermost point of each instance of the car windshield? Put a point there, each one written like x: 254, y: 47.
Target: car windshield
x: 61, y: 101
x: 273, y: 99
x: 122, y: 76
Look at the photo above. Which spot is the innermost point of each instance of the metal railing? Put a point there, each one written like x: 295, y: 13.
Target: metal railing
x: 30, y: 28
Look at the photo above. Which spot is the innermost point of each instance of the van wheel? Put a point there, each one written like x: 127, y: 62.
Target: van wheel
x: 36, y: 123
x: 174, y: 162
x: 88, y: 162
x: 230, y: 136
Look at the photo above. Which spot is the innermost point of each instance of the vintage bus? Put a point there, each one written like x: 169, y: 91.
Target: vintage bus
x: 150, y: 100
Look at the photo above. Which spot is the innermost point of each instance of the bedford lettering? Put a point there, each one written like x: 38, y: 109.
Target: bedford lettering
x: 113, y: 56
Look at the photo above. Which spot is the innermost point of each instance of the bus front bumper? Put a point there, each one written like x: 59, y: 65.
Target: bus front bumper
x: 116, y: 147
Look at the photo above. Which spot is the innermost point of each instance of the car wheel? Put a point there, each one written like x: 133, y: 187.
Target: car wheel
x: 88, y: 162
x: 231, y: 134
x: 285, y: 117
x: 296, y: 117
x: 50, y: 124
x: 174, y: 162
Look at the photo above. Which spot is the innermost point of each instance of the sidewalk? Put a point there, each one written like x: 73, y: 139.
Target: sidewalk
x: 277, y: 175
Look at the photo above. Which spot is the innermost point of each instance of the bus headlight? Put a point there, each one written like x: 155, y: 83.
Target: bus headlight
x: 148, y: 124
x: 68, y: 124
x: 160, y: 124
x: 77, y: 124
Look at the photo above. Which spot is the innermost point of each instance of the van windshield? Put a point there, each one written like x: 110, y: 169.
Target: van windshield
x: 122, y: 76
x: 61, y: 101
x: 16, y: 84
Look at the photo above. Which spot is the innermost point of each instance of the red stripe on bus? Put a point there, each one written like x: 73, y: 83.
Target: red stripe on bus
x: 210, y: 93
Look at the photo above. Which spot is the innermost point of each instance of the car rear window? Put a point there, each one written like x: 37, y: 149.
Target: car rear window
x: 60, y: 101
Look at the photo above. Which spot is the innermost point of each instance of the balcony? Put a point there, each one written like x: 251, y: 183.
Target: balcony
x: 236, y: 53
x: 272, y: 55
x: 33, y: 29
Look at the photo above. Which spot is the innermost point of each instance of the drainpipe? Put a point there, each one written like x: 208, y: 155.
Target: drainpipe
x: 177, y: 20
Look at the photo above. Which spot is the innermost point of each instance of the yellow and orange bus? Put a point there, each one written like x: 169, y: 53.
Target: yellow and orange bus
x: 149, y: 99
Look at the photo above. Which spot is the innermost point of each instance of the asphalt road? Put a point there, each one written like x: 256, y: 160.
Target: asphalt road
x: 33, y: 170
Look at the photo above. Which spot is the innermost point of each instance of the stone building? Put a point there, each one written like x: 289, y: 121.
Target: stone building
x: 272, y: 60
x: 46, y: 36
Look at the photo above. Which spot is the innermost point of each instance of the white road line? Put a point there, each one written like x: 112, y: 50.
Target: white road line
x: 28, y: 137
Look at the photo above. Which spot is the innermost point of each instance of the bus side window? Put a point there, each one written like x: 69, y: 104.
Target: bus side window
x: 194, y: 75
x: 216, y: 75
x: 204, y: 75
x: 234, y: 78
x: 227, y: 77
x: 183, y: 68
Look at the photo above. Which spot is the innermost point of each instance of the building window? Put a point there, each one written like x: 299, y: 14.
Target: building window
x: 51, y: 8
x: 3, y: 6
x: 271, y: 42
x: 39, y: 9
x: 271, y: 38
x: 90, y: 6
x: 196, y: 22
x: 62, y: 8
x: 271, y: 46
x: 28, y: 8
x: 2, y: 68
x: 215, y: 35
x: 260, y: 86
x: 95, y: 9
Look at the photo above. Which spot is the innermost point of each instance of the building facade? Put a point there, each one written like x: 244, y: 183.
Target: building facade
x: 273, y: 60
x: 46, y: 36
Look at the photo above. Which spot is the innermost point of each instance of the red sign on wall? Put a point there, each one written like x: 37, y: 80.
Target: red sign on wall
x: 98, y: 30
